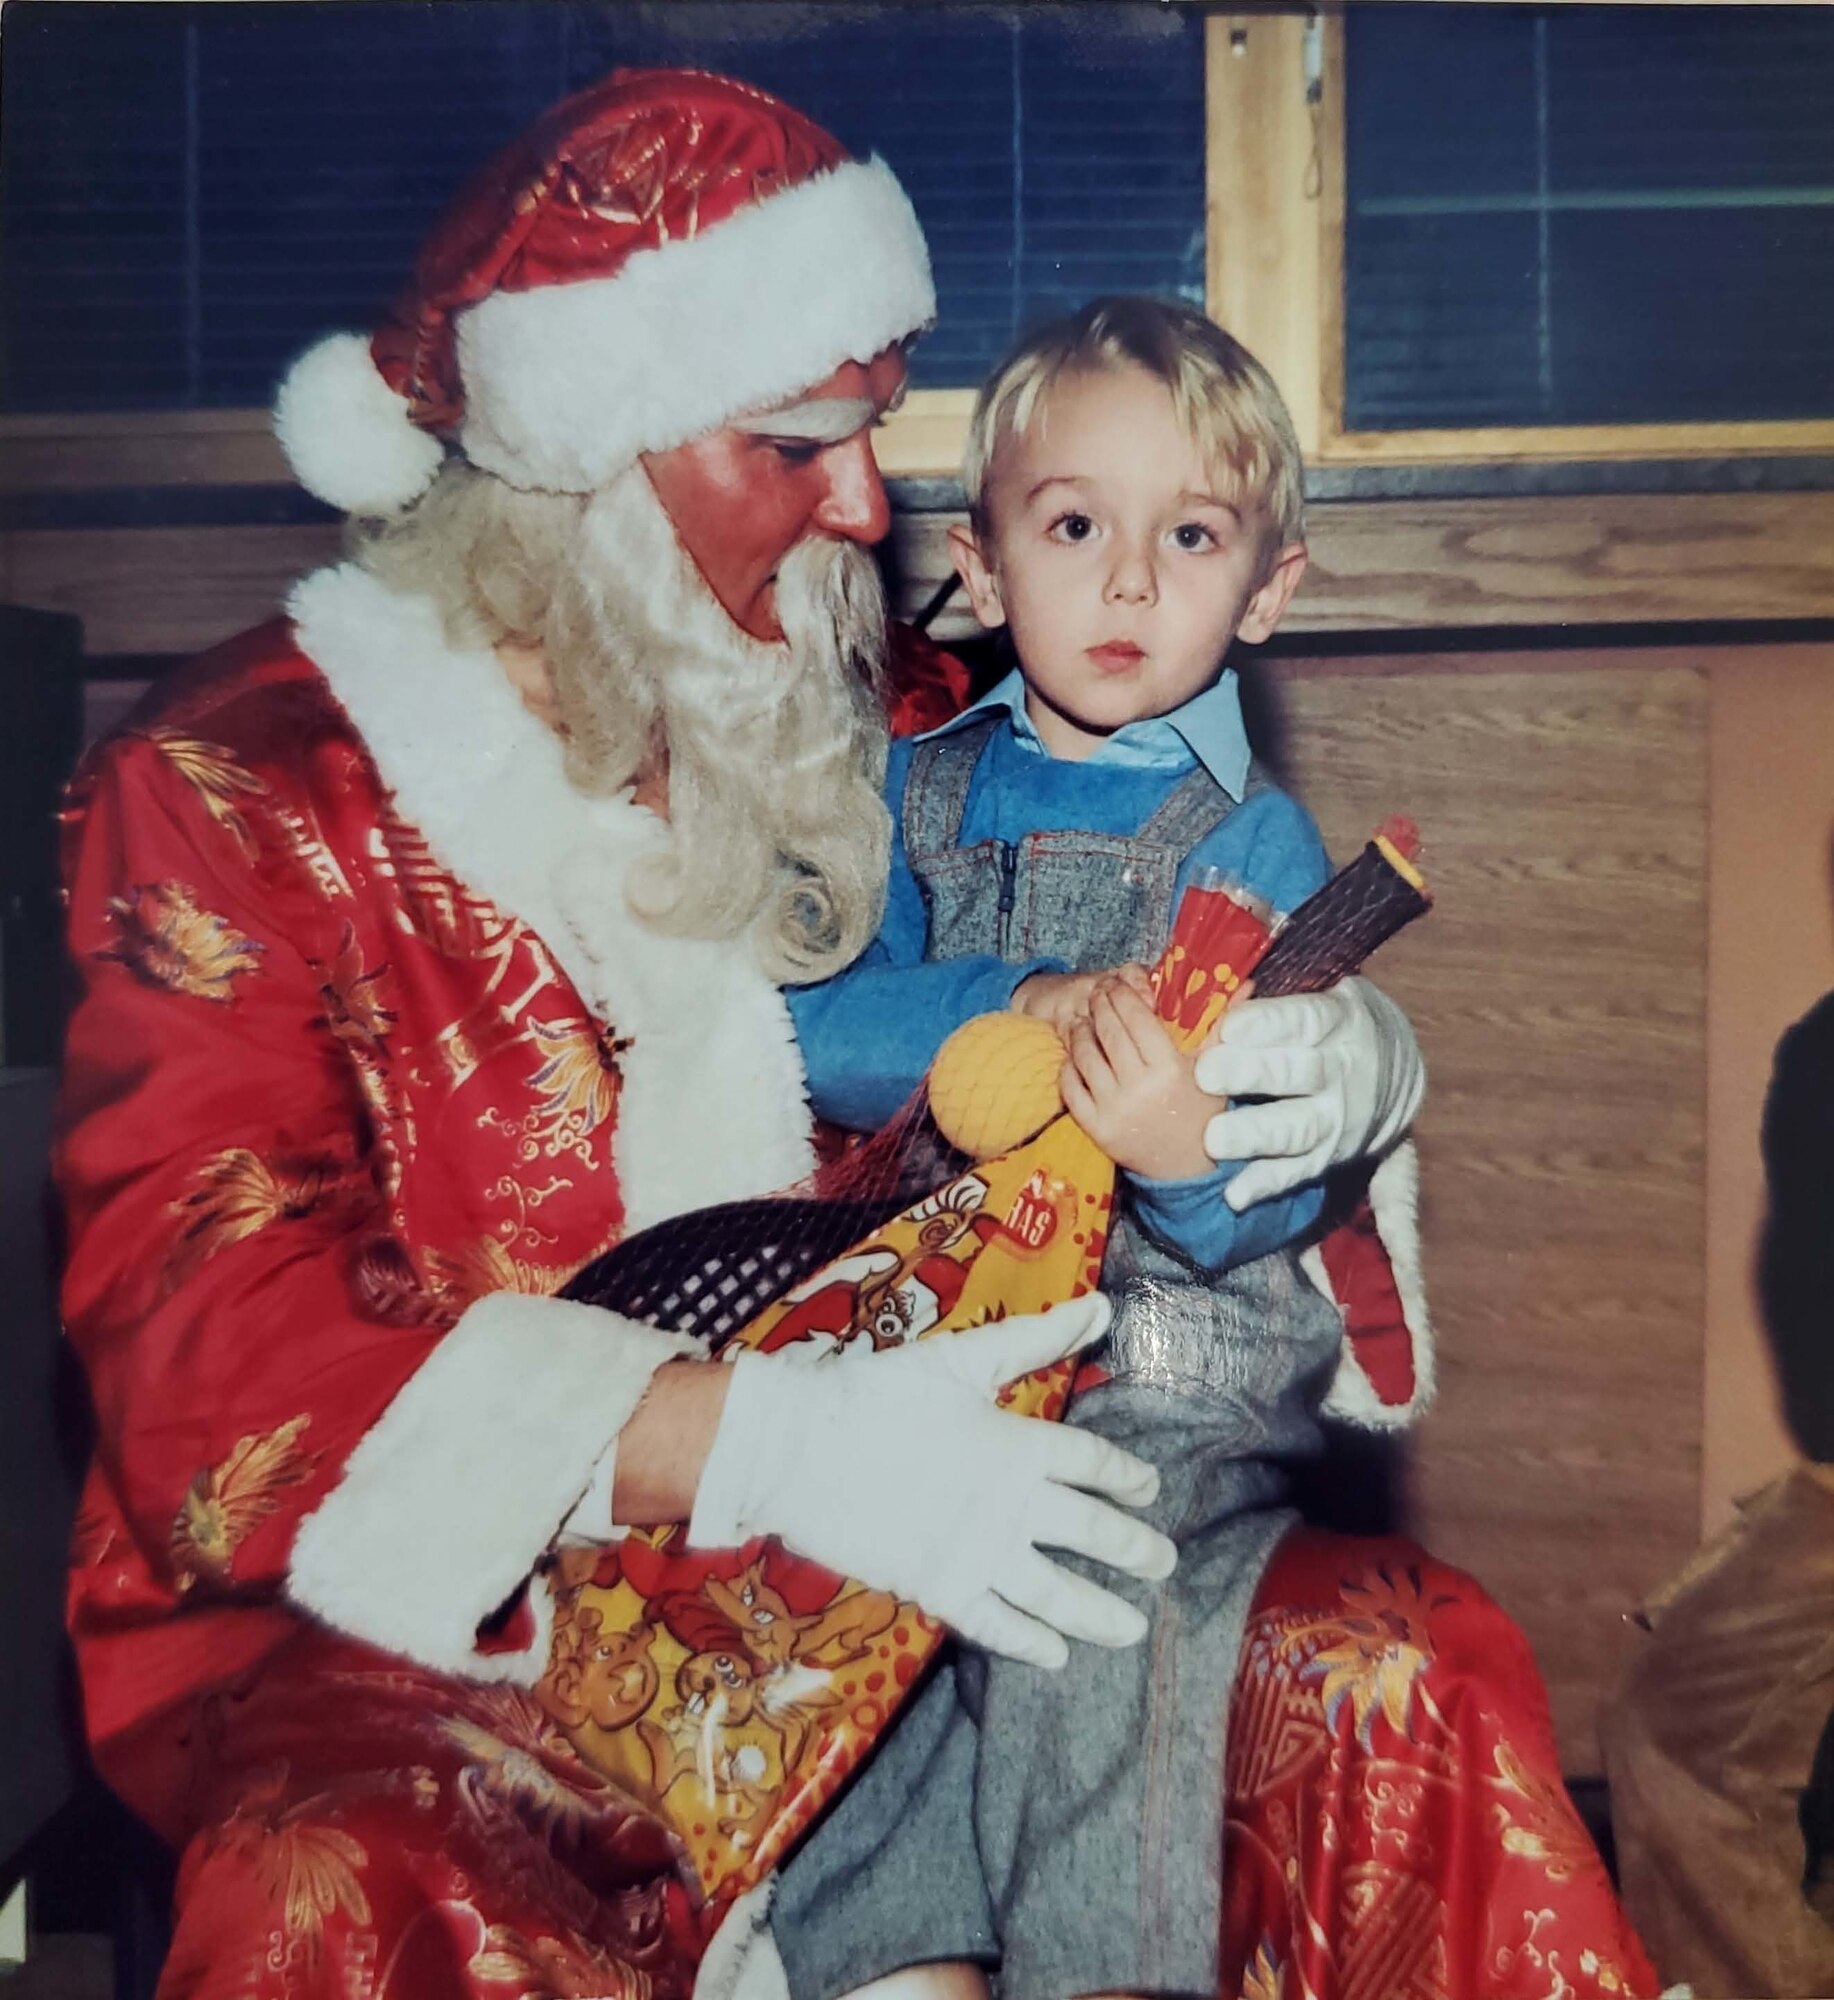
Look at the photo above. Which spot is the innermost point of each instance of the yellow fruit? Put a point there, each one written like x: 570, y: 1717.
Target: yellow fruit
x: 994, y: 1083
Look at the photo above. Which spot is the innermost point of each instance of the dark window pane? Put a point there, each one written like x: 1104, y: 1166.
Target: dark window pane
x: 1588, y: 215
x: 1440, y: 315
x: 92, y: 156
x: 1731, y: 291
x: 241, y: 179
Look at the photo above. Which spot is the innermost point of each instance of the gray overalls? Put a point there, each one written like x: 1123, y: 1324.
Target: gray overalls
x: 1068, y: 1826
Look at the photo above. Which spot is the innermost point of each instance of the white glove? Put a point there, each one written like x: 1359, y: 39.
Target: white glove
x: 898, y: 1468
x: 1345, y: 1075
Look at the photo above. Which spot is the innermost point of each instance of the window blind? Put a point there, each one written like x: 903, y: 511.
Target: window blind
x: 194, y: 192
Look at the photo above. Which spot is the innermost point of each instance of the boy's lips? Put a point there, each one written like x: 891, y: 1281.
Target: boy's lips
x: 1117, y: 655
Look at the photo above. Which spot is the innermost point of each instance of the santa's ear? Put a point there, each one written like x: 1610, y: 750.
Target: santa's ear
x: 975, y: 568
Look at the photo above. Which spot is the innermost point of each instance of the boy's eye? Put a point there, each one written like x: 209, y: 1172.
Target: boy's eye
x: 795, y: 451
x: 1072, y: 528
x: 1193, y: 535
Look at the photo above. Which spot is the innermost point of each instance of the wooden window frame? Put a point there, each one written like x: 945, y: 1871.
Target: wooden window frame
x: 1275, y: 277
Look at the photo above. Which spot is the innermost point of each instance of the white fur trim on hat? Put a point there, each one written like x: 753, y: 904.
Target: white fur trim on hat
x: 347, y: 435
x: 568, y: 383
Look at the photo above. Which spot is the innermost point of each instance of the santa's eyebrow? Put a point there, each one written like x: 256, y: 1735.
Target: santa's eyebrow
x: 820, y: 420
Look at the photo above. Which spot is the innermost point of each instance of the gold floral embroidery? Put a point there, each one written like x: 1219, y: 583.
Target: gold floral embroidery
x: 1376, y: 1655
x: 1542, y: 1826
x: 389, y: 1287
x: 235, y: 1193
x: 219, y: 781
x: 354, y: 1007
x: 1610, y: 1979
x: 311, y: 1871
x: 553, y: 1968
x: 1265, y: 1977
x: 575, y: 1088
x: 167, y: 938
x: 486, y: 1266
x: 227, y: 1502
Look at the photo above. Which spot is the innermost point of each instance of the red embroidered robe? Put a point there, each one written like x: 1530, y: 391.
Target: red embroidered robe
x: 369, y: 1058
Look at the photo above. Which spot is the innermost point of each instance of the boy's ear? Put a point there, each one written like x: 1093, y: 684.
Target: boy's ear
x: 977, y: 575
x: 1267, y: 606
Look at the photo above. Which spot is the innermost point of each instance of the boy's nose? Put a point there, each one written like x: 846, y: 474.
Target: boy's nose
x: 854, y: 507
x: 1131, y: 579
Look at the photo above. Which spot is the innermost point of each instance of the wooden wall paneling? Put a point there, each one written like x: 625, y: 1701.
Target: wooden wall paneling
x: 1600, y: 559
x: 1604, y: 558
x: 1395, y: 565
x: 161, y: 590
x: 1558, y: 991
x: 116, y: 449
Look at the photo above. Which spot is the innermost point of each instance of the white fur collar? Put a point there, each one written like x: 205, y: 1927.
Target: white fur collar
x: 713, y: 1105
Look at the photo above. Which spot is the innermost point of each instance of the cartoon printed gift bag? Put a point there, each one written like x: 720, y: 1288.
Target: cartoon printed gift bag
x: 732, y: 1693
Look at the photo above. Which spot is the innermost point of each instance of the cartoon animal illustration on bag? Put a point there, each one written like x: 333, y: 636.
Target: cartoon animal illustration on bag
x: 758, y: 1679
x: 890, y: 1298
x: 606, y: 1678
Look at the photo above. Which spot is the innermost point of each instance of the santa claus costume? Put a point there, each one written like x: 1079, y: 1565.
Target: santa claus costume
x: 371, y: 1055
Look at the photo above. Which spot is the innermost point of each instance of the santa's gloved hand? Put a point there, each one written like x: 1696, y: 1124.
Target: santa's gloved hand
x: 1343, y: 1070
x: 898, y: 1468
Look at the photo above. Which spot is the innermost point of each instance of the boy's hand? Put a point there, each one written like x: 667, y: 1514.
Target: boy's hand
x: 1062, y: 998
x: 1131, y: 1088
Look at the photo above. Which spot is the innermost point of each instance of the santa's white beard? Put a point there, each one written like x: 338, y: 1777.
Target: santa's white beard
x: 774, y: 752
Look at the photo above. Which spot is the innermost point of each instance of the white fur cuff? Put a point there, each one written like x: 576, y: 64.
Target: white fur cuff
x: 450, y: 1499
x: 742, y: 1962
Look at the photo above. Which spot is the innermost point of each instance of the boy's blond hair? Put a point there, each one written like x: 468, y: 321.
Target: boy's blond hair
x: 1225, y: 400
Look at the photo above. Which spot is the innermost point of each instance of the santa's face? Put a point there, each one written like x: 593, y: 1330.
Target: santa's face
x: 743, y: 497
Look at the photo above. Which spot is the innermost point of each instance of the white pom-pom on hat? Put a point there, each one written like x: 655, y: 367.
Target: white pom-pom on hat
x: 347, y: 435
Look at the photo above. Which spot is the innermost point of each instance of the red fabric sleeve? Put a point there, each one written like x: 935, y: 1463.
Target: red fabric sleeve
x: 215, y: 1167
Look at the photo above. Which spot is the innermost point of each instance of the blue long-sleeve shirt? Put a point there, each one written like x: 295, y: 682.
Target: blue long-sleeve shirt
x: 869, y: 1034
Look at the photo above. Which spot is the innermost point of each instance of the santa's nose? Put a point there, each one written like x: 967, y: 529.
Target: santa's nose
x: 853, y: 506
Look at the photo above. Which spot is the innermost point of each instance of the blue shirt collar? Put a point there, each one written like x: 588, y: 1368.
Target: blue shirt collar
x: 1208, y: 727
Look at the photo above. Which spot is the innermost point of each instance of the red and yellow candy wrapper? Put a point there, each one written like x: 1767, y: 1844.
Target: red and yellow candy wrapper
x: 731, y: 1694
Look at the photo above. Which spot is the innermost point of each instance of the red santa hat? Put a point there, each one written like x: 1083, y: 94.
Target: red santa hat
x: 658, y: 254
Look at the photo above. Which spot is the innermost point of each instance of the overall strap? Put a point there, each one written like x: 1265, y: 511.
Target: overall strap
x: 1196, y: 807
x: 936, y: 791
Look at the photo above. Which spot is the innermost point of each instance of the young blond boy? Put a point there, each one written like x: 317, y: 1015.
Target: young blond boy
x: 1134, y: 506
